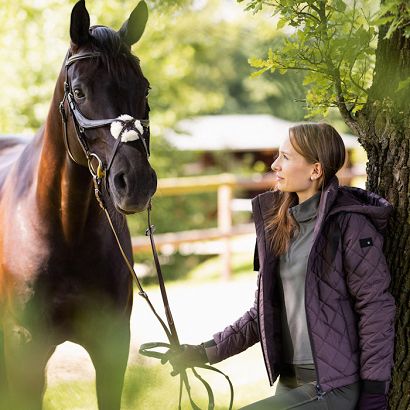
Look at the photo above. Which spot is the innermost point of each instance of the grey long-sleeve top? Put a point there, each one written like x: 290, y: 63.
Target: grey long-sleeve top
x: 293, y: 266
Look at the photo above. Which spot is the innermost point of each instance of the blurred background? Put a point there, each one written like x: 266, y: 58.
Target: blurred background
x: 216, y: 128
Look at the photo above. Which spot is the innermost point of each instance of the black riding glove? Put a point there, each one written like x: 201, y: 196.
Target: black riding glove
x: 369, y: 401
x: 186, y: 356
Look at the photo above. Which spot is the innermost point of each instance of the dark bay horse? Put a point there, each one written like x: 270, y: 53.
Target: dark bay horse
x: 61, y: 273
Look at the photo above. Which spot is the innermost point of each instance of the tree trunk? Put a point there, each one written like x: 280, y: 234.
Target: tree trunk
x: 388, y: 175
x: 384, y: 129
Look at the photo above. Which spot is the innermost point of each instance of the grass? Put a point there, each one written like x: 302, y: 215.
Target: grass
x: 210, y: 270
x: 148, y: 384
x: 146, y: 388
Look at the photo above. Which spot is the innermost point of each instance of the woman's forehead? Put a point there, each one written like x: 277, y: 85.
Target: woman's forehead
x: 286, y: 145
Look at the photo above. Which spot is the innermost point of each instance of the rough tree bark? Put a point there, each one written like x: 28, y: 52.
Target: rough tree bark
x: 384, y: 131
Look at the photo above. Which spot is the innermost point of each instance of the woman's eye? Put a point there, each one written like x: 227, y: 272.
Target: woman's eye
x: 78, y: 93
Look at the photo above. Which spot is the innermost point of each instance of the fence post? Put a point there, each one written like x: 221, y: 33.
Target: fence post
x: 225, y: 226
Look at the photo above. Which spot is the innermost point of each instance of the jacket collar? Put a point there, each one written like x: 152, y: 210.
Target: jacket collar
x: 334, y: 199
x: 307, y: 210
x: 265, y: 201
x: 327, y: 199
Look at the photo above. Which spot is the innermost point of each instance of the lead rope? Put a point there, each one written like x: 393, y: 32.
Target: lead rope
x: 147, y: 349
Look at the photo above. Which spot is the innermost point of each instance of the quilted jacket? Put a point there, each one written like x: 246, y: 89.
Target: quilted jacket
x: 350, y: 312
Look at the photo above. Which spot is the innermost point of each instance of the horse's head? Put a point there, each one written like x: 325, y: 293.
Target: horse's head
x: 104, y: 82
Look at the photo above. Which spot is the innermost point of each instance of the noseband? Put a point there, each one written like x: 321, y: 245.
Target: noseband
x: 125, y: 124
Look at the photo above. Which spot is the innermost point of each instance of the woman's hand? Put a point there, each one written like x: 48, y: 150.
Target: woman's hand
x: 185, y: 356
x: 372, y: 401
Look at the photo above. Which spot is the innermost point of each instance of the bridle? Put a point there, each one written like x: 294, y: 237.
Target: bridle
x: 99, y: 174
x: 82, y: 123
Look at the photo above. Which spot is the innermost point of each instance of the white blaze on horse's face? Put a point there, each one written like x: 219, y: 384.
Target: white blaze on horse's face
x: 128, y: 135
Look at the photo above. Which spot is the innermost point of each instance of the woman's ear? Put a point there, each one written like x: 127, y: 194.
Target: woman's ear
x: 317, y: 171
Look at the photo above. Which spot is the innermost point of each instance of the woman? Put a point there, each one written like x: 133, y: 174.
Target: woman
x: 322, y: 313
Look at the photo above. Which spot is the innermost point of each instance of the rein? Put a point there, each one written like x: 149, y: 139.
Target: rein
x: 147, y: 349
x: 99, y: 174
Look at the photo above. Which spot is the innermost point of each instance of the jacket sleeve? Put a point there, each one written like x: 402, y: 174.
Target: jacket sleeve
x: 235, y: 338
x: 368, y: 280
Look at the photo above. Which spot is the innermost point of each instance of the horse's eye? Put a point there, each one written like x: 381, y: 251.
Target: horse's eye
x: 78, y: 93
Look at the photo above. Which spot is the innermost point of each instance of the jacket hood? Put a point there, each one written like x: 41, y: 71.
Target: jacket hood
x: 357, y: 200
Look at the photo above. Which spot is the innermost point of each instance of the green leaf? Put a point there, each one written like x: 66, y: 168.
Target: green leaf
x: 392, y: 28
x: 256, y: 62
x: 382, y: 20
x: 281, y: 23
x: 386, y: 8
x: 259, y: 72
x: 403, y: 84
x: 340, y: 5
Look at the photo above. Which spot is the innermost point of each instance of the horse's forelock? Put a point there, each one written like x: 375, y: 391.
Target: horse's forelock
x: 108, y: 40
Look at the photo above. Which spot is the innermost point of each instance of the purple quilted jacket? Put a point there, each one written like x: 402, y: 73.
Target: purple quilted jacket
x: 350, y: 312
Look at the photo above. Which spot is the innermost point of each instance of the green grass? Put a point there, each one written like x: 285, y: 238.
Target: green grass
x: 210, y: 270
x: 146, y: 388
x: 148, y: 384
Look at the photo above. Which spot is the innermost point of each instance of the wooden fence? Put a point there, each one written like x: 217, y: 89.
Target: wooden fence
x: 225, y: 185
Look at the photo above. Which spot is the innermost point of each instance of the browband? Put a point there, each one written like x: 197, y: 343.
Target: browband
x: 81, y: 56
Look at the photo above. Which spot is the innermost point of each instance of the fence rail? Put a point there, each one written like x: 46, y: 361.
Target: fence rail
x: 225, y: 185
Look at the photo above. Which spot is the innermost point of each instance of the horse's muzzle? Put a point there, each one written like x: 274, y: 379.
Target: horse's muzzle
x: 131, y: 193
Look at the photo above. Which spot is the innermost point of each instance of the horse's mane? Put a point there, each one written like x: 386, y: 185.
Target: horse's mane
x: 116, y: 55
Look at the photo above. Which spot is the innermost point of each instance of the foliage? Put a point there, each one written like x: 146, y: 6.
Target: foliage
x: 333, y: 42
x: 194, y: 59
x: 396, y: 14
x: 196, y: 62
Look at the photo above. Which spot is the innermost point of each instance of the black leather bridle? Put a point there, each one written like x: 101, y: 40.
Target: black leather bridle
x: 82, y: 123
x: 99, y: 174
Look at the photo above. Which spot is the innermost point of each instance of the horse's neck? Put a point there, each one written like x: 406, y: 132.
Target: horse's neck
x: 64, y: 190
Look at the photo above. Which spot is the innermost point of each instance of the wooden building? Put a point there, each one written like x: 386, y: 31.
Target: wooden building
x: 253, y: 139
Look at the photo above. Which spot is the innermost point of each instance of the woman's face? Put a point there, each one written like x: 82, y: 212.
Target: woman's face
x: 293, y: 173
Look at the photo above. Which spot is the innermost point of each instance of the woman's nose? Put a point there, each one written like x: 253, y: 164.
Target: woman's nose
x: 274, y: 166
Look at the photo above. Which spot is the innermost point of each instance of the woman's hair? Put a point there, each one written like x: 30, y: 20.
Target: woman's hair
x: 316, y: 143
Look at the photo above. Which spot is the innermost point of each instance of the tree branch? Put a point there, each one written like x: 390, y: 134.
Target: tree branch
x: 349, y: 37
x: 354, y: 81
x: 335, y: 73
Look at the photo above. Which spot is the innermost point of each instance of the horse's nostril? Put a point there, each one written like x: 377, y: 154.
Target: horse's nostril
x: 119, y: 182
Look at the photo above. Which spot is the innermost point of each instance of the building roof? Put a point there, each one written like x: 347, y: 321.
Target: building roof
x: 234, y: 133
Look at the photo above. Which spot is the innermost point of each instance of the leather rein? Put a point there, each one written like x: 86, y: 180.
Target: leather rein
x: 99, y: 174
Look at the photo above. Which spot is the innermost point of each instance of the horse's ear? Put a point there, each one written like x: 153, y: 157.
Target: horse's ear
x: 131, y: 31
x: 80, y: 24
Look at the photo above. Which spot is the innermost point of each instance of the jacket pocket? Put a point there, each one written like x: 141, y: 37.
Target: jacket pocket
x: 351, y: 324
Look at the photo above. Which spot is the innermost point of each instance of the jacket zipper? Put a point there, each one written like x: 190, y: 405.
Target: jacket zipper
x: 260, y: 336
x: 319, y: 391
x: 268, y: 369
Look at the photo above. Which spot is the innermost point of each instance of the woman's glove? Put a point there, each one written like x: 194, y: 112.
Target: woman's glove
x: 372, y: 401
x: 185, y: 356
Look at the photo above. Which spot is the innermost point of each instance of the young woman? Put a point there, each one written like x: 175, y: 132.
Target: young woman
x: 323, y: 313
